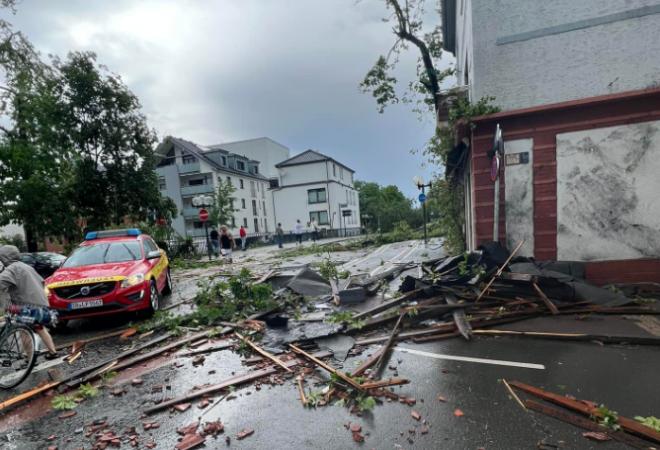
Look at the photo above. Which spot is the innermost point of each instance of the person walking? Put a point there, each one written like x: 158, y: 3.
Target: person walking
x: 26, y: 292
x: 243, y: 234
x: 315, y: 230
x: 215, y: 240
x: 299, y: 231
x: 280, y: 234
x: 227, y: 244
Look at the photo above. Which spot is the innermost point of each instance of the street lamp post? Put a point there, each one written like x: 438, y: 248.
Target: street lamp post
x: 419, y: 182
x: 203, y: 201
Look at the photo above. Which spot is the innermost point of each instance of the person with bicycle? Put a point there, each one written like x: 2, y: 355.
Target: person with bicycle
x: 28, y: 299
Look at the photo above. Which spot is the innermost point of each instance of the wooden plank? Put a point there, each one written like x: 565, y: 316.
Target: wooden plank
x: 388, y: 344
x: 12, y: 401
x: 335, y: 291
x: 385, y: 383
x: 264, y: 352
x: 499, y: 272
x: 388, y: 305
x: 587, y: 425
x: 98, y: 338
x: 551, y: 306
x: 302, y: 393
x: 266, y: 276
x: 368, y: 363
x: 629, y: 425
x: 234, y: 381
x: 215, y: 348
x: 326, y: 367
x: 460, y: 319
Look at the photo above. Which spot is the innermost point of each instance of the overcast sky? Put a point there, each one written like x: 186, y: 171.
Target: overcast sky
x: 214, y: 71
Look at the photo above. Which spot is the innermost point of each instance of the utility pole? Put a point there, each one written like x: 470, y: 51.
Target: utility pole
x: 419, y: 182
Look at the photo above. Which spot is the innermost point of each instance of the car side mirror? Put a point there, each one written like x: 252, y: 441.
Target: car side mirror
x: 154, y: 254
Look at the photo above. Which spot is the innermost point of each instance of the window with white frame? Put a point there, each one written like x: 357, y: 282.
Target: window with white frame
x: 245, y: 222
x: 240, y: 165
x: 241, y: 184
x: 223, y: 161
x: 243, y: 203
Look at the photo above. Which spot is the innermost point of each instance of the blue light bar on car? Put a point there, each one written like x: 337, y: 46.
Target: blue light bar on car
x: 112, y: 233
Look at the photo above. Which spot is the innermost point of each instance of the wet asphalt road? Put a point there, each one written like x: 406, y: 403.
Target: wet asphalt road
x: 491, y: 419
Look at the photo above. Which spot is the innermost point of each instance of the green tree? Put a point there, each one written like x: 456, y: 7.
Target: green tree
x: 222, y: 210
x: 386, y: 206
x: 424, y: 94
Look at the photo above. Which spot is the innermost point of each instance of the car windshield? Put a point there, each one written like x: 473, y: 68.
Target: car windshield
x: 104, y: 253
x: 48, y: 257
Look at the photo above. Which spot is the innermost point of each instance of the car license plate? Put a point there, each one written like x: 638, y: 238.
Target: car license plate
x: 86, y: 304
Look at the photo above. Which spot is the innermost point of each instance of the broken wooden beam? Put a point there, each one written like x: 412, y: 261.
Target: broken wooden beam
x: 263, y: 352
x: 629, y: 425
x: 388, y: 305
x: 551, y: 306
x: 368, y: 363
x: 234, y: 381
x: 587, y: 425
x: 385, y: 383
x: 501, y: 269
x: 302, y: 393
x: 94, y: 339
x: 389, y: 342
x: 12, y: 401
x: 460, y: 319
x: 327, y: 367
x: 215, y: 348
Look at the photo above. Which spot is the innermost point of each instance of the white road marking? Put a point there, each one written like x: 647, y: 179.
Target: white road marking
x: 496, y: 362
x: 46, y: 364
x: 401, y: 256
x: 370, y: 255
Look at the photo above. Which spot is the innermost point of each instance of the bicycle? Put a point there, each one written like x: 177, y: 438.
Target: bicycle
x: 17, y: 353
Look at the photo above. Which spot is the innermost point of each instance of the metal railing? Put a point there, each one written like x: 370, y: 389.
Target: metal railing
x: 188, y: 168
x: 191, y: 212
x: 194, y: 190
x: 163, y: 193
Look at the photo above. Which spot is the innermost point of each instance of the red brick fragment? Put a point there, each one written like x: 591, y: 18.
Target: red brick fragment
x: 52, y: 447
x: 51, y: 438
x: 213, y: 428
x: 425, y: 431
x: 182, y: 407
x: 243, y: 434
x: 356, y: 428
x: 416, y: 416
x: 190, y: 441
x: 357, y: 437
x: 136, y: 382
x: 442, y: 399
x: 117, y: 392
x: 203, y: 404
x: 190, y: 429
x: 411, y: 401
x: 199, y: 360
x: 597, y: 436
x: 458, y: 413
x: 68, y: 415
x: 445, y: 370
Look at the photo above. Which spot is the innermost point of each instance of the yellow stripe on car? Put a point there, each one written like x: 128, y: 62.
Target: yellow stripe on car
x: 85, y: 281
x: 159, y: 267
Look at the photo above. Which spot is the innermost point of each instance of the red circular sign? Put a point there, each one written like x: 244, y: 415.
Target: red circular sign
x: 203, y: 215
x: 495, y: 168
x: 161, y: 221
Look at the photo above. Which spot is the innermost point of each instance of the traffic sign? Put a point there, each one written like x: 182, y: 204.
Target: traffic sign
x: 161, y: 221
x: 422, y: 198
x: 495, y: 168
x: 203, y: 215
x: 347, y: 213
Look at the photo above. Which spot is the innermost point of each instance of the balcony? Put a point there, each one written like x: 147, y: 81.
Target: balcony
x: 163, y: 193
x: 160, y: 172
x: 195, y: 190
x: 188, y: 168
x: 198, y: 232
x: 191, y: 213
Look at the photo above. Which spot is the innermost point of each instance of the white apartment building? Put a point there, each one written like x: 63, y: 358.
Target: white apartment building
x: 313, y: 185
x: 186, y: 170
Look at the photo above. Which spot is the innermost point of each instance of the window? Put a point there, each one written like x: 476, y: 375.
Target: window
x: 162, y: 186
x: 228, y: 179
x: 198, y: 225
x: 149, y: 246
x: 258, y: 188
x: 223, y: 160
x: 243, y: 203
x: 29, y: 260
x: 187, y: 159
x: 341, y: 173
x: 256, y: 170
x: 245, y: 222
x: 233, y: 222
x: 256, y: 225
x: 334, y: 170
x: 104, y: 253
x: 347, y: 202
x: 240, y: 165
x: 254, y: 208
x: 316, y: 196
x: 252, y: 190
x: 321, y: 217
x: 263, y: 191
x: 266, y: 225
x: 241, y: 183
x: 196, y: 182
x: 265, y: 209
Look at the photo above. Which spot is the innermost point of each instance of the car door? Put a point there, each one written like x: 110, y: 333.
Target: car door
x: 158, y: 267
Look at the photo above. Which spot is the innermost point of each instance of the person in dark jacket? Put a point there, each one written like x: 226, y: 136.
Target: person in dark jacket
x: 215, y: 240
x: 26, y: 291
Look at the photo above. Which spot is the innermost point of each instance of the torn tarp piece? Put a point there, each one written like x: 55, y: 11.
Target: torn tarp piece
x: 309, y: 284
x: 338, y: 344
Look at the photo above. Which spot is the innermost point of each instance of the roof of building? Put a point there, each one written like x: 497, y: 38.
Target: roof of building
x: 449, y: 26
x: 309, y: 157
x: 199, y: 153
x: 219, y: 146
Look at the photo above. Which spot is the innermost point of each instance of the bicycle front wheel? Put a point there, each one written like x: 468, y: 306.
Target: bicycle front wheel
x: 17, y: 356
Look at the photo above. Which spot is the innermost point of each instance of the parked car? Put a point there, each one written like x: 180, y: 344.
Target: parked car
x: 45, y: 263
x: 110, y: 272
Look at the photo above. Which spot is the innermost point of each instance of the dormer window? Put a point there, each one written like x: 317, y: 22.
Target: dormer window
x: 223, y: 161
x: 240, y: 165
x: 256, y: 170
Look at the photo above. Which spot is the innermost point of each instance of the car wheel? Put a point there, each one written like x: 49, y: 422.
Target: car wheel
x: 154, y: 299
x: 167, y: 290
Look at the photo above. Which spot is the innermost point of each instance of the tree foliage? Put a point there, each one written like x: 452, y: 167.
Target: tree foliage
x: 78, y: 153
x: 386, y: 206
x: 222, y: 210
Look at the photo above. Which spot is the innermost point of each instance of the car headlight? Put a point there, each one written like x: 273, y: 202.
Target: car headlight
x: 133, y: 280
x: 46, y: 291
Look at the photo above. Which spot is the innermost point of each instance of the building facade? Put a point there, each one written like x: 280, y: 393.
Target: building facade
x: 578, y: 86
x: 187, y: 170
x: 265, y: 150
x: 313, y: 185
